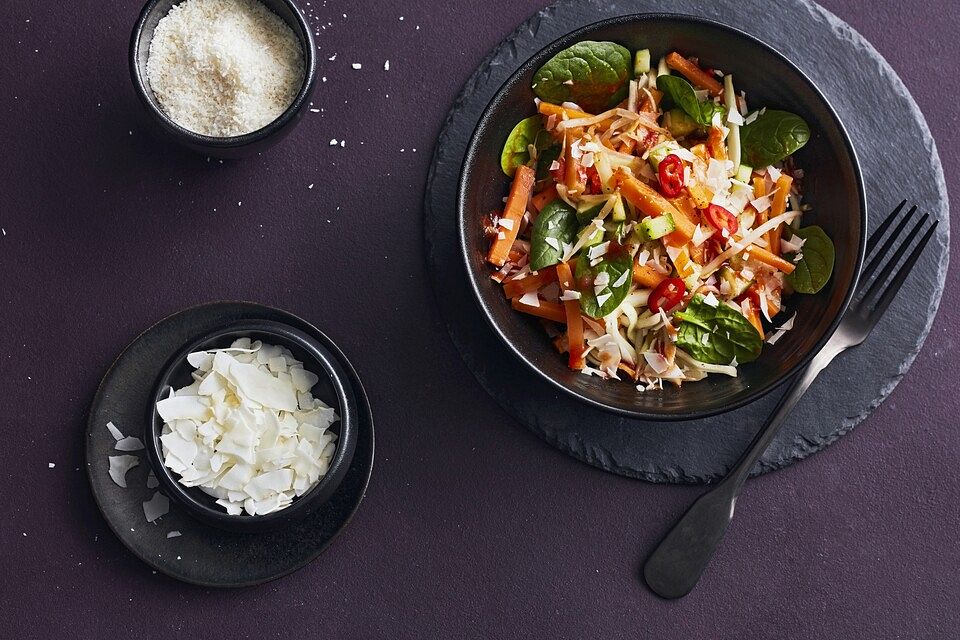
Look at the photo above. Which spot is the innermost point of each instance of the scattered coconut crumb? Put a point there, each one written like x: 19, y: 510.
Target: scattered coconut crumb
x: 156, y: 507
x: 356, y: 65
x: 51, y: 465
x: 129, y: 443
x: 386, y: 65
x: 174, y: 534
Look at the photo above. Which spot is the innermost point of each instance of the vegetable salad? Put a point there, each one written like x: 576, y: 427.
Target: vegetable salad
x: 654, y: 221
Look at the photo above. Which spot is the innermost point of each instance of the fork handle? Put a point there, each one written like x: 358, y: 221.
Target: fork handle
x: 675, y: 566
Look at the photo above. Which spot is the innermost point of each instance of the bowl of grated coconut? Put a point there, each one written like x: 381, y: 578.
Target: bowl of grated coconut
x: 225, y: 78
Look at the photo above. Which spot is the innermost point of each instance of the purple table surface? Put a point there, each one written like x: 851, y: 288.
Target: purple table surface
x: 471, y: 527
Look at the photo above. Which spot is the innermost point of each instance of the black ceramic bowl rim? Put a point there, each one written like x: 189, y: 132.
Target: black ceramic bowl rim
x: 754, y: 392
x: 214, y: 143
x: 301, y: 506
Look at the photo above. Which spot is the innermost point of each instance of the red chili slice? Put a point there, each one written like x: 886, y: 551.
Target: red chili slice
x: 594, y: 186
x: 558, y: 173
x: 671, y: 176
x: 667, y: 295
x: 722, y: 219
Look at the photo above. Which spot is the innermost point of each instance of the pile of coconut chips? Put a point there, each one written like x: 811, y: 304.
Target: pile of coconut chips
x: 248, y: 431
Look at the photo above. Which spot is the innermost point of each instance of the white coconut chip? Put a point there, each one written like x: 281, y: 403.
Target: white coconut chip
x: 129, y: 443
x: 174, y: 534
x: 112, y: 428
x: 156, y: 507
x: 119, y: 465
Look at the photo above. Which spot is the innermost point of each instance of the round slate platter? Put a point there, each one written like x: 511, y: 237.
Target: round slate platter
x: 205, y: 555
x: 889, y: 136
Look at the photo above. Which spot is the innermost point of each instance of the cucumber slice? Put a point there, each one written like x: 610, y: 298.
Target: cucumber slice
x: 587, y: 211
x: 641, y: 62
x: 619, y: 214
x: 661, y: 151
x: 744, y: 173
x: 655, y: 228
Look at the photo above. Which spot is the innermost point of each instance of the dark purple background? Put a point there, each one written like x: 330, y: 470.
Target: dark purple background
x: 471, y: 527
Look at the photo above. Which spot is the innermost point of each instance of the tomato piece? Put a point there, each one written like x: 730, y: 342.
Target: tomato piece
x: 558, y: 173
x: 722, y: 219
x: 594, y: 185
x: 667, y: 295
x: 671, y: 176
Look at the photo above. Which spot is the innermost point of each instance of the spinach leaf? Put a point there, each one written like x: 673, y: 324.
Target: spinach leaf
x: 546, y: 158
x: 773, y: 136
x: 614, y: 264
x: 682, y: 94
x: 556, y: 225
x: 728, y: 334
x: 816, y: 266
x: 515, y: 150
x: 592, y: 74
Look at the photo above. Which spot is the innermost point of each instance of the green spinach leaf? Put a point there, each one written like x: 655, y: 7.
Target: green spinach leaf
x: 592, y: 74
x: 546, y: 158
x: 816, y: 266
x: 682, y: 94
x: 516, y: 150
x: 615, y: 264
x: 728, y: 334
x: 555, y: 226
x: 773, y: 136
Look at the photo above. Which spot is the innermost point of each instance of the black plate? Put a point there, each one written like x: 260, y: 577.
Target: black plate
x: 206, y: 555
x: 846, y: 392
x: 832, y: 185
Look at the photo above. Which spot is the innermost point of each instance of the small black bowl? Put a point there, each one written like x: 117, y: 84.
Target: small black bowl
x: 832, y: 185
x: 236, y: 146
x: 333, y: 388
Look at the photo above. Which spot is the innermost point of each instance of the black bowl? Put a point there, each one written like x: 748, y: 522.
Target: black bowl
x: 334, y: 388
x: 832, y: 184
x: 236, y: 146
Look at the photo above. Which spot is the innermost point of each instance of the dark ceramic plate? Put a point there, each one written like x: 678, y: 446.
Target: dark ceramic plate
x: 204, y: 554
x: 832, y: 185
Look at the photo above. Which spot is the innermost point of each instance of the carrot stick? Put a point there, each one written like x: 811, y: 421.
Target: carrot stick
x: 575, y: 344
x: 646, y: 276
x: 778, y: 207
x: 697, y: 76
x: 684, y: 230
x: 571, y: 172
x: 651, y: 203
x: 533, y: 282
x: 770, y: 258
x: 547, y: 109
x: 754, y: 317
x: 547, y: 310
x: 715, y: 143
x: 516, y: 206
x: 545, y: 197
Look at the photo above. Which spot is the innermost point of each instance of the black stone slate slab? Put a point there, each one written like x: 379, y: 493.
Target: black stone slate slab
x: 202, y: 554
x: 899, y: 160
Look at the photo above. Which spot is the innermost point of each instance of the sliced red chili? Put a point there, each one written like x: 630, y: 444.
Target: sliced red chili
x: 594, y: 185
x: 671, y: 176
x: 722, y: 219
x: 667, y: 295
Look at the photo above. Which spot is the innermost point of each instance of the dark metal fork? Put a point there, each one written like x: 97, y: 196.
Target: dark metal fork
x: 675, y: 566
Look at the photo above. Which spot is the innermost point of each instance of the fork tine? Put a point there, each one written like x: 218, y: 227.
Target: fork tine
x: 888, y: 245
x: 881, y: 279
x: 891, y: 291
x: 877, y: 235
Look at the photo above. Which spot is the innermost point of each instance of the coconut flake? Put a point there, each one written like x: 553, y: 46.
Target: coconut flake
x: 119, y: 465
x: 174, y: 534
x: 531, y: 299
x: 570, y: 294
x: 112, y: 428
x: 156, y: 506
x: 129, y: 444
x: 711, y: 300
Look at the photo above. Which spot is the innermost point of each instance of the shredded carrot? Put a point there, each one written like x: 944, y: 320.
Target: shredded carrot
x: 778, y: 207
x: 770, y: 258
x: 697, y: 76
x: 533, y: 282
x: 545, y: 197
x: 575, y: 343
x: 646, y: 276
x: 715, y: 143
x: 547, y: 310
x: 516, y: 206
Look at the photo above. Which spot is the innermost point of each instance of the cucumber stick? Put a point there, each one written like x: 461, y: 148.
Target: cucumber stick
x: 641, y: 62
x: 654, y: 228
x: 733, y: 139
